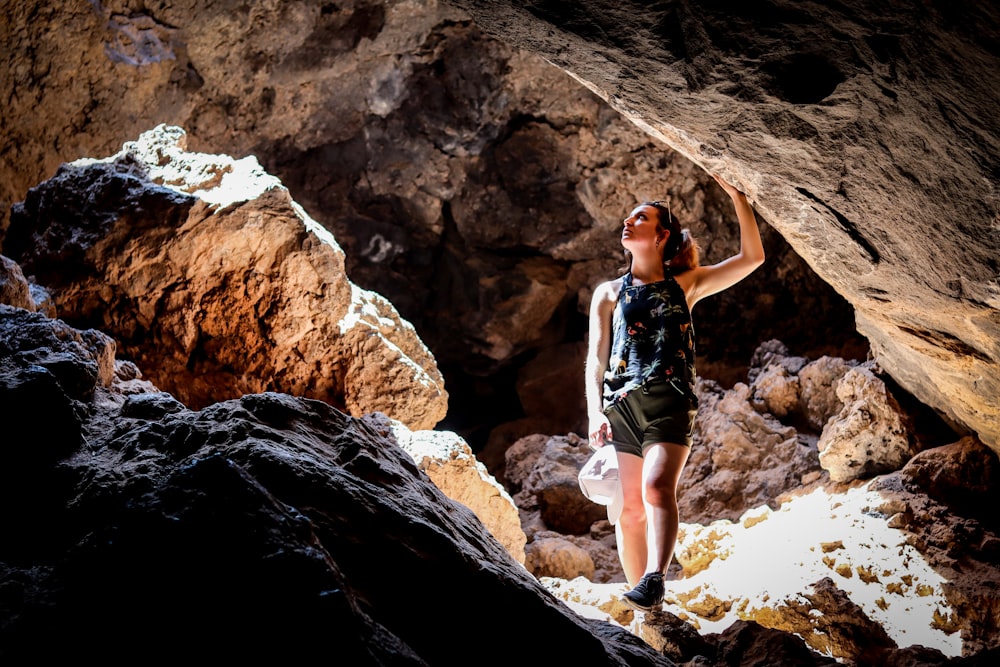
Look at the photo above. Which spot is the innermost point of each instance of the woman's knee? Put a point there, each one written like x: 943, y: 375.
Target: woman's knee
x: 633, y: 516
x: 660, y: 495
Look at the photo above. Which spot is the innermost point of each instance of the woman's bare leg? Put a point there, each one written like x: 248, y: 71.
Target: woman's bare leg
x: 630, y: 531
x: 661, y: 474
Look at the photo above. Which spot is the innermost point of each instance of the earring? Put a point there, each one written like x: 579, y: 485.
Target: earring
x: 657, y: 244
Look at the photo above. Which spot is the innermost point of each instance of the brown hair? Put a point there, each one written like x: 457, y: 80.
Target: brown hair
x: 681, y: 252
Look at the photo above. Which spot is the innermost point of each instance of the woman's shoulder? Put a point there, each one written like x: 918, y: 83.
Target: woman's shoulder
x: 612, y: 286
x: 607, y: 292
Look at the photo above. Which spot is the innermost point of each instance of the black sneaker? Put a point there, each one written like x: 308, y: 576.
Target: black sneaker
x: 648, y: 593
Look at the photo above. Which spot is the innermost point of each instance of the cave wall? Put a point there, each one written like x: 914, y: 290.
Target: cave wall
x: 476, y: 186
x: 866, y: 134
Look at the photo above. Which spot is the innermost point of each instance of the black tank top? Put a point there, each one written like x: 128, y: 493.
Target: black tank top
x: 652, y: 340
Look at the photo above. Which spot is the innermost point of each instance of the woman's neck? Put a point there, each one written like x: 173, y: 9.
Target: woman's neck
x: 647, y: 270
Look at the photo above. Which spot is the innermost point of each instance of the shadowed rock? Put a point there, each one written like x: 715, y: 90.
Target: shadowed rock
x: 253, y: 529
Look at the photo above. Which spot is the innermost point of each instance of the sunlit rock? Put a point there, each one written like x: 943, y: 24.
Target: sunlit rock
x: 450, y: 464
x: 817, y: 536
x: 831, y: 623
x: 869, y: 436
x: 14, y: 288
x: 829, y: 561
x: 212, y: 279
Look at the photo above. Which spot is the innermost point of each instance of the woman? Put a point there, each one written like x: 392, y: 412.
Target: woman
x: 640, y: 376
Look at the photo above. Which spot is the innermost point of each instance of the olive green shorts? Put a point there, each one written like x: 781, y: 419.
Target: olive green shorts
x: 653, y: 413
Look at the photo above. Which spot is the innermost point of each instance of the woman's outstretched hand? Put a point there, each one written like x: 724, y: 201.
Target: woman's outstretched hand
x: 731, y: 190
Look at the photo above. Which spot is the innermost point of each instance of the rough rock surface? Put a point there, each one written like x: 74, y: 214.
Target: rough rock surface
x: 866, y: 134
x: 887, y: 185
x: 451, y: 465
x: 745, y: 458
x: 869, y: 436
x: 14, y: 288
x: 249, y: 530
x: 475, y: 186
x: 867, y: 572
x: 210, y: 277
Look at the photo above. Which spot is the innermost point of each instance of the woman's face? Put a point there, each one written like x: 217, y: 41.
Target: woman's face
x: 641, y: 228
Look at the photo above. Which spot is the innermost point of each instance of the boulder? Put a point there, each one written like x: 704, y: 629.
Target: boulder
x: 214, y: 280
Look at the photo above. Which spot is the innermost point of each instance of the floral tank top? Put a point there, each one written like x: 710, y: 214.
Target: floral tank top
x: 652, y: 339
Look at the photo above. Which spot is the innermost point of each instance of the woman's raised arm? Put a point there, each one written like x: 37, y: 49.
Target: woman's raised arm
x: 707, y: 280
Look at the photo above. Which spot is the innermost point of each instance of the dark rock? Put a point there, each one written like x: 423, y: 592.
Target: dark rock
x: 250, y: 530
x: 749, y: 644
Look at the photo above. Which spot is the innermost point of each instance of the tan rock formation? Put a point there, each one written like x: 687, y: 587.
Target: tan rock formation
x: 869, y: 436
x: 214, y: 280
x: 556, y: 555
x: 816, y: 382
x: 14, y: 288
x: 743, y: 458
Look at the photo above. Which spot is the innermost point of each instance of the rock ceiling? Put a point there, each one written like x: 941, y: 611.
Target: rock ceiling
x: 867, y: 135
